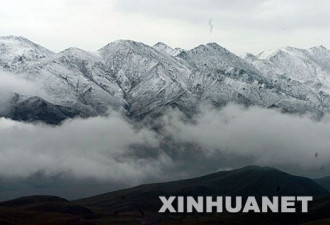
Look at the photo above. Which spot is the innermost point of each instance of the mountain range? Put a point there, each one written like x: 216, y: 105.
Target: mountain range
x: 140, y: 80
x: 140, y: 205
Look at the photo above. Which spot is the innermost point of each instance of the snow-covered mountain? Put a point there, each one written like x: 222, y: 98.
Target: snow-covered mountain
x: 298, y: 64
x: 80, y: 78
x: 149, y: 78
x: 17, y: 52
x: 302, y: 72
x: 138, y: 79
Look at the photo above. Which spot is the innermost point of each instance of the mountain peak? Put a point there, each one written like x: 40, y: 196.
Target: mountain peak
x: 319, y: 48
x: 249, y: 57
x: 16, y: 52
x: 74, y: 50
x: 161, y: 44
x: 268, y: 54
x: 259, y: 168
x: 214, y: 45
x: 163, y: 47
x: 78, y: 53
x: 123, y: 44
x: 169, y: 50
x: 209, y: 47
x: 19, y: 40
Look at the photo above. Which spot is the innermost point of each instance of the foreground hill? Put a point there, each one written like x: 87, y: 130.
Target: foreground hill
x: 324, y: 182
x: 140, y: 205
x: 248, y: 181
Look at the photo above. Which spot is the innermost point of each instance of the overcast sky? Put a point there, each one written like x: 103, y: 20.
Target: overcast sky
x: 239, y: 25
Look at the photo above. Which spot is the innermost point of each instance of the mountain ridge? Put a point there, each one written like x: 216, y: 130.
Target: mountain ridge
x: 140, y: 80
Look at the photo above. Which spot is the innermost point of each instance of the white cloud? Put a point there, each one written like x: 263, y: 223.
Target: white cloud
x: 113, y: 150
x: 262, y: 136
x: 92, y: 148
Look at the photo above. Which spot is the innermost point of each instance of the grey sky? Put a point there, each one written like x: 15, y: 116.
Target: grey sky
x: 241, y: 26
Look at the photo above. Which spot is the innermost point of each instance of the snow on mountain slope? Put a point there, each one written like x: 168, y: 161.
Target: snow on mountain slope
x: 137, y: 79
x: 213, y: 56
x: 17, y: 52
x: 150, y: 78
x: 299, y: 64
x: 322, y: 55
x: 72, y: 78
x: 305, y: 72
x: 75, y: 76
x: 221, y: 77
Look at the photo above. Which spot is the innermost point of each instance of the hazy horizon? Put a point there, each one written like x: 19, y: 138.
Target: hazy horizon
x: 239, y: 26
